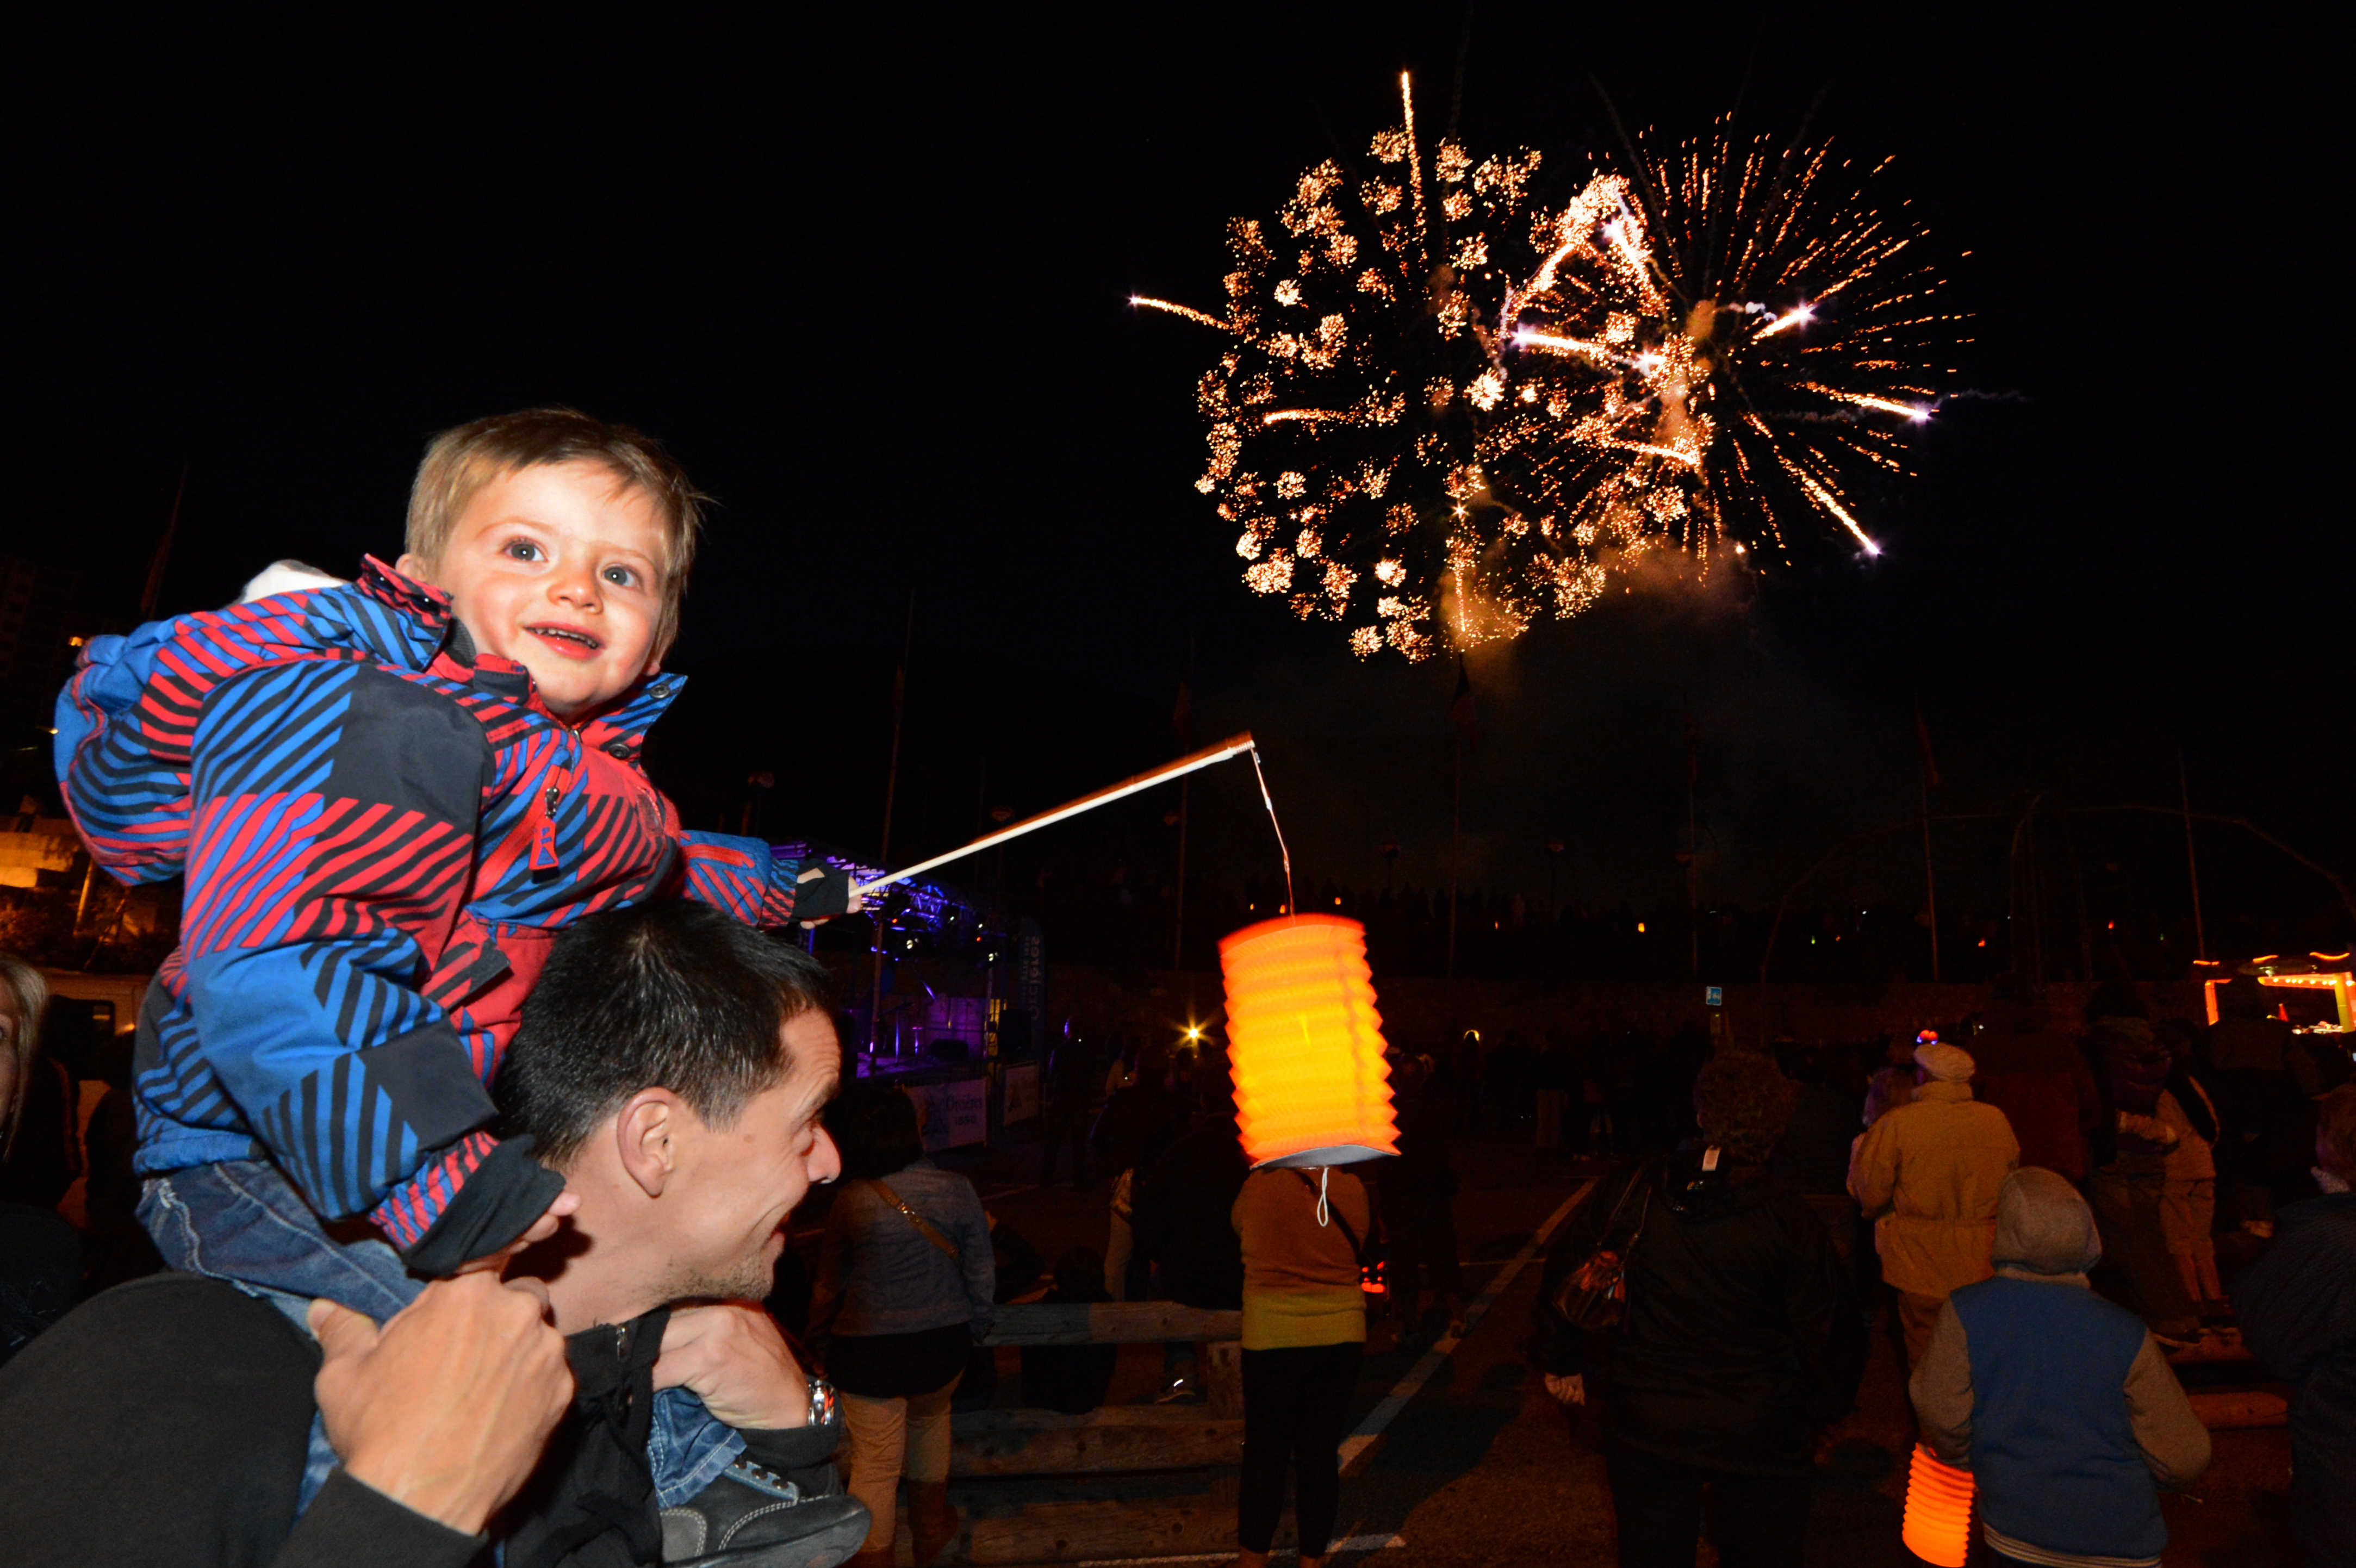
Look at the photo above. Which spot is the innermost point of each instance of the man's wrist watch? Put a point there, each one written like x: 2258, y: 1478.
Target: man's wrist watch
x: 822, y: 1400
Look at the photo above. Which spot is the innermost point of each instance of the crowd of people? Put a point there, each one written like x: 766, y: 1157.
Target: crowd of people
x: 2046, y: 1208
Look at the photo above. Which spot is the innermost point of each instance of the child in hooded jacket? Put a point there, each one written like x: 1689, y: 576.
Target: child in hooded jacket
x: 2059, y: 1403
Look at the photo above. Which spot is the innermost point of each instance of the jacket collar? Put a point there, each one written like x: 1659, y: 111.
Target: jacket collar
x: 427, y: 605
x: 1938, y: 1088
x: 620, y: 730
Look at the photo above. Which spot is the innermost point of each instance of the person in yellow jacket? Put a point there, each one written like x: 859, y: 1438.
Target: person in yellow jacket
x: 1928, y: 1174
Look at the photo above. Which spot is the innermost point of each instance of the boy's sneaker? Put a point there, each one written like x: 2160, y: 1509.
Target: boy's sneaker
x: 751, y: 1516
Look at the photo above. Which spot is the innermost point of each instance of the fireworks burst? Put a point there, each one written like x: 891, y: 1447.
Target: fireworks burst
x: 1340, y: 426
x: 1710, y: 346
x: 1447, y: 412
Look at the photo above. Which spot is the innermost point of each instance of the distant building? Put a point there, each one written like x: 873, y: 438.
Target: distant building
x: 39, y: 851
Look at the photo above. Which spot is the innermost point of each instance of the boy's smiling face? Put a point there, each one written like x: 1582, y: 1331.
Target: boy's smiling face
x: 559, y: 568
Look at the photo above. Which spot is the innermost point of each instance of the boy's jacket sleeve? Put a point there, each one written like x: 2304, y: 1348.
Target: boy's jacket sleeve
x: 331, y: 824
x: 746, y: 879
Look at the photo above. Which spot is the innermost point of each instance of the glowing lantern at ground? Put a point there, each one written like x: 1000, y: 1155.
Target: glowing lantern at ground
x: 1938, y: 1527
x: 1305, y: 1044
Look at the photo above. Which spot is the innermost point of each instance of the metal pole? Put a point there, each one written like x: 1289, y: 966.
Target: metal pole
x: 1930, y: 882
x: 1693, y: 852
x: 1455, y: 834
x: 1178, y: 920
x: 2192, y: 862
x: 890, y: 792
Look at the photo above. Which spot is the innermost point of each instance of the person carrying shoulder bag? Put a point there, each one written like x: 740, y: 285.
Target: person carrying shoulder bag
x: 904, y: 1289
x: 1697, y: 1303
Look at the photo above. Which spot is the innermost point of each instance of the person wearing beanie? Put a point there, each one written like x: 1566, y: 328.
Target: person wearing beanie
x: 1927, y: 1174
x: 2059, y: 1402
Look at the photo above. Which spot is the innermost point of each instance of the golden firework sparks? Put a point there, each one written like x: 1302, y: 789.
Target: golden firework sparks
x: 1713, y: 330
x: 1446, y: 412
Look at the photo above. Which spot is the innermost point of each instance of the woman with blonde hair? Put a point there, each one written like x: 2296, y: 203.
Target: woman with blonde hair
x: 24, y: 996
x: 40, y: 1255
x: 39, y: 1153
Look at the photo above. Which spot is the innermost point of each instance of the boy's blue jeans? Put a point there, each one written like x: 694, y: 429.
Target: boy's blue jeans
x: 239, y: 1221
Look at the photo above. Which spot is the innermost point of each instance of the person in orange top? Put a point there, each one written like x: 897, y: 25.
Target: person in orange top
x: 1304, y: 1332
x: 1928, y: 1174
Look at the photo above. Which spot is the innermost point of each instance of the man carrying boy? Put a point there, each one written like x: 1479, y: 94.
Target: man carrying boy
x: 388, y: 798
x: 671, y: 1064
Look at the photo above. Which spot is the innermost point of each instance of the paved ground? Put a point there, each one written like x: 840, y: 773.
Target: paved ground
x: 1480, y: 1467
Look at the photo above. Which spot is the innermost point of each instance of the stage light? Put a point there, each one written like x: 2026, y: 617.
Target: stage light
x: 1305, y: 1045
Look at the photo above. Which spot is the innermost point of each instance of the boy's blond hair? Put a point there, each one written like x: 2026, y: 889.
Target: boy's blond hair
x: 462, y: 460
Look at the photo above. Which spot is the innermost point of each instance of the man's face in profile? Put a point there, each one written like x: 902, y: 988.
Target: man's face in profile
x: 740, y: 1181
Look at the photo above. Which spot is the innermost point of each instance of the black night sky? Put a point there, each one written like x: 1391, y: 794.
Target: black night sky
x: 866, y: 272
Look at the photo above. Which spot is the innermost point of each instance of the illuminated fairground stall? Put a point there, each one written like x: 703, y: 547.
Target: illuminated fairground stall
x: 2314, y: 988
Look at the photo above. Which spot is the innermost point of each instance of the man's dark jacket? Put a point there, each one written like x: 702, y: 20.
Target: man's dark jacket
x: 1740, y: 1339
x: 2298, y: 1311
x: 166, y: 1423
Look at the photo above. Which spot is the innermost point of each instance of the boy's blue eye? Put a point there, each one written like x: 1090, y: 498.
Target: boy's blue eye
x: 620, y: 576
x: 523, y: 550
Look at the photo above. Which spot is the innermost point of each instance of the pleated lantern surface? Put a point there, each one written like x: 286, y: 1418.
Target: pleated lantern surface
x: 1938, y: 1527
x: 1305, y: 1044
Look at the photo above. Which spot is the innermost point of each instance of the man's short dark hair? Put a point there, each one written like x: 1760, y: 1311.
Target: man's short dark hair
x: 670, y: 995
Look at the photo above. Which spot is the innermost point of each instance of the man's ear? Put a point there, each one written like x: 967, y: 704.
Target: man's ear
x: 645, y: 1134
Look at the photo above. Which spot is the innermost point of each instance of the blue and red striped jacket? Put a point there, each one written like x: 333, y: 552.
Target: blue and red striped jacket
x: 383, y: 834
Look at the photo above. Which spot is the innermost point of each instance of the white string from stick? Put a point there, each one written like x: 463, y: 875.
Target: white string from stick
x: 1292, y: 904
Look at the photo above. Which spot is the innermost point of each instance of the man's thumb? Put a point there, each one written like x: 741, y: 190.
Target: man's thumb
x: 340, y: 1330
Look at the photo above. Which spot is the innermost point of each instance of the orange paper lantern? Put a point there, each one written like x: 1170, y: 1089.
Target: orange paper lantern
x: 1938, y: 1527
x: 1305, y: 1044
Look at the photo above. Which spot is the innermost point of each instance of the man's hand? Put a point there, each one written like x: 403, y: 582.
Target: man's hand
x: 734, y: 1357
x: 444, y: 1410
x: 1571, y: 1389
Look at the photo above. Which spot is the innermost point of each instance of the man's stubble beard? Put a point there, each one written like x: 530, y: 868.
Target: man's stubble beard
x: 745, y: 1279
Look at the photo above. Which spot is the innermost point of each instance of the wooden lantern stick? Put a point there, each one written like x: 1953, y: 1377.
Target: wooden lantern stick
x: 1233, y: 746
